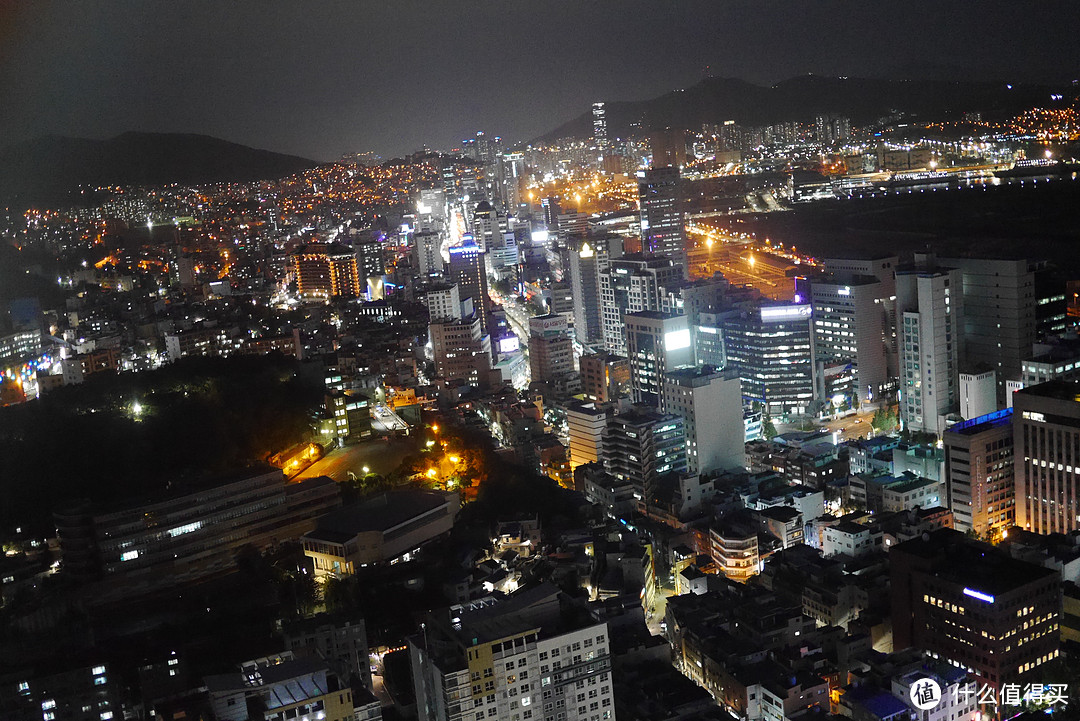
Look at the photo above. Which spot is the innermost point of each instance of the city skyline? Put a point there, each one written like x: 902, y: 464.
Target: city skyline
x: 339, y: 78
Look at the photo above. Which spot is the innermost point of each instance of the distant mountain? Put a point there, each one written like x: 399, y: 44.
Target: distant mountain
x: 49, y: 169
x: 714, y: 100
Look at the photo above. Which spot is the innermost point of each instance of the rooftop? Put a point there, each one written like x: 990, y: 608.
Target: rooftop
x: 1061, y: 390
x: 982, y: 423
x: 379, y: 513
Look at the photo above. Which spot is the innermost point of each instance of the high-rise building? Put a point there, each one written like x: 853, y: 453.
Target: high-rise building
x: 980, y: 474
x: 632, y: 283
x: 770, y: 347
x: 929, y: 306
x: 368, y: 246
x: 662, y: 227
x: 1046, y: 442
x: 326, y: 270
x: 586, y: 423
x: 551, y: 351
x: 655, y: 344
x: 978, y: 394
x: 442, y: 301
x: 485, y: 225
x: 850, y: 325
x: 599, y: 127
x: 998, y: 325
x: 585, y: 284
x: 604, y: 376
x: 641, y: 445
x: 973, y: 606
x: 427, y: 246
x: 510, y: 659
x: 710, y: 404
x: 466, y: 270
x: 461, y: 349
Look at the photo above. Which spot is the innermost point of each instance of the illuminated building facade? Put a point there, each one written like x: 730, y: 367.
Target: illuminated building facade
x: 461, y: 349
x: 599, y: 127
x: 641, y: 445
x: 326, y: 270
x: 466, y: 270
x: 655, y: 344
x: 979, y: 473
x: 1046, y: 442
x: 551, y: 352
x: 662, y: 228
x: 604, y: 376
x: 850, y: 325
x: 970, y: 605
x: 770, y: 348
x: 632, y: 283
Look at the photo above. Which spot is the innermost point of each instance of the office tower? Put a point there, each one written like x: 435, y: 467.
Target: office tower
x: 632, y: 283
x: 929, y: 307
x: 585, y: 284
x: 502, y: 256
x: 850, y: 326
x: 641, y: 445
x: 980, y: 475
x: 326, y: 270
x: 998, y: 325
x: 514, y: 658
x: 694, y: 297
x: 662, y: 227
x: 710, y: 404
x: 1046, y: 439
x: 485, y: 225
x: 668, y: 148
x: 599, y: 127
x: 978, y: 394
x: 551, y: 351
x: 655, y: 344
x: 770, y: 347
x: 368, y: 247
x: 442, y: 301
x: 427, y: 245
x: 511, y: 178
x: 586, y: 423
x: 572, y: 224
x: 466, y: 270
x: 972, y: 605
x: 709, y: 341
x: 552, y: 211
x: 604, y: 376
x: 462, y: 350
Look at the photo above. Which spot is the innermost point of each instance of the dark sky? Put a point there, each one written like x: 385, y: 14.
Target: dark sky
x: 322, y: 78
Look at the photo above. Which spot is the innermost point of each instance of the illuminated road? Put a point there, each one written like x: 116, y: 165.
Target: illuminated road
x: 852, y: 427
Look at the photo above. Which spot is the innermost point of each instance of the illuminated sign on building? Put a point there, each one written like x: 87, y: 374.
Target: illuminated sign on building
x: 780, y: 313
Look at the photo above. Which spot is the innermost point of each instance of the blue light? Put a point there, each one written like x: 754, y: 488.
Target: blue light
x: 979, y: 595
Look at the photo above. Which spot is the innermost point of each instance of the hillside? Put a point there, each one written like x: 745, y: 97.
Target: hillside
x: 49, y: 169
x: 714, y: 100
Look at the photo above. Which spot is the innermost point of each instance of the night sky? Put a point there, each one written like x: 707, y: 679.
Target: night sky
x: 319, y: 79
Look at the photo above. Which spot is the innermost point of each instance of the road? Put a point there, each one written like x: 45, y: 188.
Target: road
x: 852, y: 427
x: 379, y: 456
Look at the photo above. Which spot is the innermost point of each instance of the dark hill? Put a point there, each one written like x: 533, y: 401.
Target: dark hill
x: 714, y: 100
x: 49, y: 169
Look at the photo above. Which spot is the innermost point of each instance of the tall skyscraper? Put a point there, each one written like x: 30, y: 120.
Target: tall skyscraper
x: 632, y: 283
x: 998, y: 325
x: 1046, y: 442
x: 662, y: 226
x: 467, y: 271
x: 980, y: 474
x: 850, y: 326
x: 326, y: 270
x: 710, y: 404
x: 427, y: 245
x: 461, y: 349
x: 655, y: 343
x: 599, y: 127
x: 585, y: 285
x: 929, y: 308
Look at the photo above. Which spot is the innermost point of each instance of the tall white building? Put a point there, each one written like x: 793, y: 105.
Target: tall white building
x: 850, y: 324
x: 514, y: 659
x: 929, y: 308
x: 632, y: 283
x: 710, y: 403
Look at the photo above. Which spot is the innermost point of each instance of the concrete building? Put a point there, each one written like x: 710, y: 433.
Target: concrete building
x: 387, y: 528
x: 587, y: 423
x: 339, y: 640
x: 851, y: 325
x: 980, y: 474
x: 641, y: 445
x: 551, y: 352
x: 466, y: 270
x: 461, y: 349
x: 663, y: 230
x: 443, y: 301
x: 327, y: 270
x: 1046, y: 436
x: 998, y: 325
x: 604, y: 376
x: 526, y: 656
x: 710, y: 404
x: 655, y: 344
x: 427, y: 247
x: 929, y: 310
x: 282, y: 687
x: 978, y: 394
x: 632, y: 283
x: 971, y: 605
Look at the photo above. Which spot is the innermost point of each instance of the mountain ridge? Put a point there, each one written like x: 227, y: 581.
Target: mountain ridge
x: 51, y: 168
